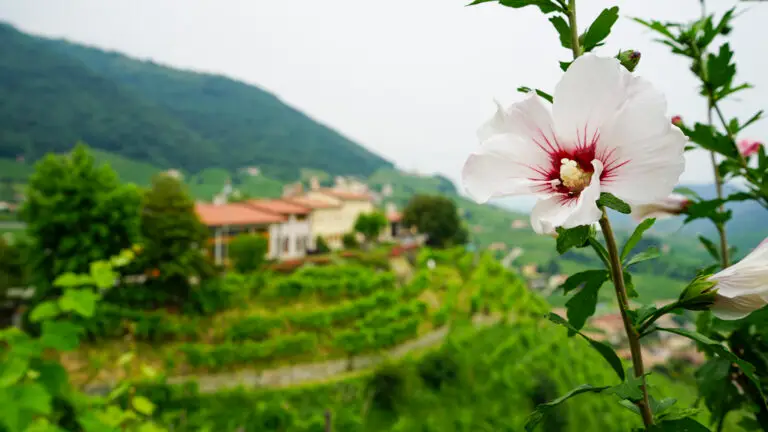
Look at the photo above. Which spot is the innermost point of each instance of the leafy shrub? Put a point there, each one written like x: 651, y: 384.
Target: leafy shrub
x: 321, y: 246
x: 248, y: 252
x: 349, y: 240
x: 439, y: 368
x: 228, y: 353
x: 387, y: 386
x: 255, y: 328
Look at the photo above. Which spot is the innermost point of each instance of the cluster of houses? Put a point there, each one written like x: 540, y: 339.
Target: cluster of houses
x: 293, y: 223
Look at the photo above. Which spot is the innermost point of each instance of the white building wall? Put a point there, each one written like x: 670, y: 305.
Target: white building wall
x: 290, y: 239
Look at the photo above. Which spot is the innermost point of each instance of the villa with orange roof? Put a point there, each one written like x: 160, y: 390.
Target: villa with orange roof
x: 344, y: 206
x: 226, y: 221
x: 292, y: 237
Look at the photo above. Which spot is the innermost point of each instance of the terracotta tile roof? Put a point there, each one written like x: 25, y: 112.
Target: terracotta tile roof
x: 234, y: 214
x: 312, y: 203
x: 282, y: 207
x: 346, y: 195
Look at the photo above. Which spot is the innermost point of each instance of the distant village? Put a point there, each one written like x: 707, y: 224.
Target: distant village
x: 294, y: 222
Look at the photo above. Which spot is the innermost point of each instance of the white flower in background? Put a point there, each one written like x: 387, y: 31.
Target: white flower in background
x: 608, y: 132
x: 669, y: 206
x: 743, y: 287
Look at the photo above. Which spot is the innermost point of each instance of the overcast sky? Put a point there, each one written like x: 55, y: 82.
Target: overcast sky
x: 409, y: 79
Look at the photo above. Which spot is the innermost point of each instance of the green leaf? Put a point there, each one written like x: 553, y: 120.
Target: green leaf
x: 720, y: 70
x: 563, y: 30
x: 541, y: 93
x: 758, y: 115
x: 720, y: 350
x: 690, y: 193
x: 118, y: 391
x: 605, y: 350
x: 44, y: 310
x: 629, y: 285
x: 80, y: 301
x: 53, y: 376
x: 642, y: 314
x: 12, y: 370
x: 682, y: 425
x: 710, y: 139
x: 710, y: 247
x: 630, y: 389
x: 33, y: 397
x: 659, y: 407
x: 600, y: 250
x: 648, y: 254
x: 600, y: 28
x: 143, y: 405
x: 123, y: 259
x: 564, y: 65
x: 582, y: 305
x: 578, y: 279
x: 611, y: 201
x: 71, y: 280
x: 636, y: 236
x: 536, y: 416
x: 574, y: 237
x: 103, y: 275
x: 62, y: 336
x: 546, y: 6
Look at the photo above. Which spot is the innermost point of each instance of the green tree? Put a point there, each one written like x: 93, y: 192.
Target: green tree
x: 77, y: 213
x: 248, y: 252
x: 173, y: 237
x: 437, y: 217
x: 349, y: 240
x: 321, y: 246
x: 370, y: 225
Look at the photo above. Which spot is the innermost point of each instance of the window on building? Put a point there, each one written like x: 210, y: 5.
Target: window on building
x: 301, y: 217
x: 286, y: 245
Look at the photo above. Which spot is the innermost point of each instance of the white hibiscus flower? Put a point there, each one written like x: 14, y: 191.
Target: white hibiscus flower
x: 743, y: 287
x: 608, y: 132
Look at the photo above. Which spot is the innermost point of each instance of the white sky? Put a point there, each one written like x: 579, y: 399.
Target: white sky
x: 409, y: 79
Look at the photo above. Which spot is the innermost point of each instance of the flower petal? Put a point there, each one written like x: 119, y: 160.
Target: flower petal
x: 529, y: 118
x: 506, y: 165
x: 748, y: 276
x: 738, y: 307
x: 558, y: 211
x: 642, y: 151
x: 589, y: 94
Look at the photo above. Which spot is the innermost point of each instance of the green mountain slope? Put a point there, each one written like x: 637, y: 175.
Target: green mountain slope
x: 49, y: 101
x: 249, y: 125
x: 53, y: 93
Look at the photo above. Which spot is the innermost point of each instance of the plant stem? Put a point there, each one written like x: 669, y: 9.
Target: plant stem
x: 617, y: 275
x: 575, y: 46
x: 656, y: 315
x: 724, y: 258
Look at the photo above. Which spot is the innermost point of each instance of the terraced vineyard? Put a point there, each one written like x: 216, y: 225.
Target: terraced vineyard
x: 315, y: 314
x: 499, y: 360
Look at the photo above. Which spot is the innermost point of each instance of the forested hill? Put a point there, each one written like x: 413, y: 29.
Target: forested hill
x: 53, y: 93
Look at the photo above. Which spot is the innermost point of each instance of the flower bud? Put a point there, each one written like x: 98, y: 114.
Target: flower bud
x: 700, y: 294
x: 677, y: 120
x: 629, y: 59
x: 743, y: 287
x: 672, y: 205
x: 748, y: 147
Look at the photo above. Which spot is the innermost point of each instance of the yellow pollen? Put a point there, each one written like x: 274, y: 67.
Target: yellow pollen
x: 573, y: 177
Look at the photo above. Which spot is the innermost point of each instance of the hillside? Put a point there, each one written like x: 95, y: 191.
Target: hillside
x: 54, y: 93
x: 264, y: 364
